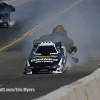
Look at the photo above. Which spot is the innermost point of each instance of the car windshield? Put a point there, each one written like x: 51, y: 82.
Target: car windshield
x: 51, y: 49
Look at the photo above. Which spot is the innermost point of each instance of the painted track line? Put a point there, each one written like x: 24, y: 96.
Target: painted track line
x: 44, y: 23
x: 6, y: 1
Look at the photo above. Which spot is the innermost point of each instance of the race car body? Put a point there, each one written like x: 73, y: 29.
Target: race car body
x: 51, y: 56
x: 5, y: 10
x: 47, y: 57
x: 4, y: 20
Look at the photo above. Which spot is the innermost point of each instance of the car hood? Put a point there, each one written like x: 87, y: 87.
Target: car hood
x: 50, y: 60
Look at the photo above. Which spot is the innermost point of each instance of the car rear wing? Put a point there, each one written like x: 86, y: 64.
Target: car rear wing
x: 57, y: 44
x: 4, y: 8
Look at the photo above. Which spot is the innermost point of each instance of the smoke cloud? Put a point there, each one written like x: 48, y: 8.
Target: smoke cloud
x: 81, y: 22
x: 11, y: 23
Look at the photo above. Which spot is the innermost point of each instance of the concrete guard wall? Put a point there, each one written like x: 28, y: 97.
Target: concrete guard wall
x: 87, y: 88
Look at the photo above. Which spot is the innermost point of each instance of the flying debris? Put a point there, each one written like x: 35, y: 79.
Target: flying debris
x: 59, y: 34
x: 5, y: 11
x: 76, y: 60
x: 50, y: 52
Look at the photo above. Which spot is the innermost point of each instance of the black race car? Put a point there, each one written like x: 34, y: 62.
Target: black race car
x: 47, y: 57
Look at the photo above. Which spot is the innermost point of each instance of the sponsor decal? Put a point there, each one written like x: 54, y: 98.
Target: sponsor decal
x: 43, y: 60
x: 54, y: 56
x: 45, y: 56
x: 42, y: 56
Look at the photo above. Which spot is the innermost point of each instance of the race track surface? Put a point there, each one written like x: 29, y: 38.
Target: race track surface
x: 82, y: 22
